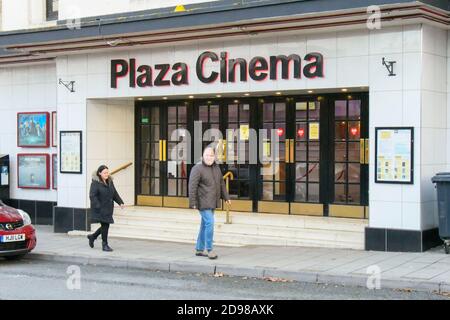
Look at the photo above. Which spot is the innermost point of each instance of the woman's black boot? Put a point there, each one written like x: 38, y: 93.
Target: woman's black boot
x: 91, y: 240
x: 106, y: 247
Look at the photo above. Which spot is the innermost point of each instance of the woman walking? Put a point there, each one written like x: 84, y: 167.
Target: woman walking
x: 102, y: 195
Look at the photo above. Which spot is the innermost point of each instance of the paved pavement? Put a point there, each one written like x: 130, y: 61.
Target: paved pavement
x: 428, y: 271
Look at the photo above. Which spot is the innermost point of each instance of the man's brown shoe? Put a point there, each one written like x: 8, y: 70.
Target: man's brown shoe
x: 212, y: 255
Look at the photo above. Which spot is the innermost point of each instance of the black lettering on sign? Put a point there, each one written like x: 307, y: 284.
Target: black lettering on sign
x: 145, y: 79
x: 315, y: 68
x: 258, y: 68
x: 200, y: 67
x: 115, y: 73
x: 160, y: 78
x: 285, y: 65
x: 181, y: 76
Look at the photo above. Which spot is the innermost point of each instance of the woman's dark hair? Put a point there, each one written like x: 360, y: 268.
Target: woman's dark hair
x: 100, y: 169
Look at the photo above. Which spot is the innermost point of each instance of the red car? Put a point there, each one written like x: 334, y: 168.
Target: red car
x: 17, y: 235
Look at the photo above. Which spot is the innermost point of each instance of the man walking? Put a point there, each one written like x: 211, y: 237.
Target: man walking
x: 206, y: 188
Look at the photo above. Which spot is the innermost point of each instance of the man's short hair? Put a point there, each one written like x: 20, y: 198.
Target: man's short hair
x: 209, y: 147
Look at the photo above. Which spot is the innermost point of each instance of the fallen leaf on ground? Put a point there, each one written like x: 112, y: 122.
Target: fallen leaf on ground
x: 274, y: 279
x: 405, y: 290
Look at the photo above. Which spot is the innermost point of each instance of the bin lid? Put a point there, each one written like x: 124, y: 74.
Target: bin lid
x: 441, y: 177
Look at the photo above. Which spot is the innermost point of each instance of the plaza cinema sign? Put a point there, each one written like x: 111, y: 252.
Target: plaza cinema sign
x: 224, y: 69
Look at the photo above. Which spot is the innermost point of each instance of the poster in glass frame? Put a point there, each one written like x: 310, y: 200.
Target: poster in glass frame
x: 33, y: 171
x: 394, y: 155
x: 70, y: 152
x: 54, y: 171
x: 33, y: 129
x: 54, y: 130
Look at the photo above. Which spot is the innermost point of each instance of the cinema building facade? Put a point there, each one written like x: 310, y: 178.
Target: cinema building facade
x: 355, y: 116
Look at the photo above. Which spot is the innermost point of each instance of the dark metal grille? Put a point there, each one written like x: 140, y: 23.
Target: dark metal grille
x: 15, y: 225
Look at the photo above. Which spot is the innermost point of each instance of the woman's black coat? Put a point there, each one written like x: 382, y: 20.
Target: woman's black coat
x: 102, y: 200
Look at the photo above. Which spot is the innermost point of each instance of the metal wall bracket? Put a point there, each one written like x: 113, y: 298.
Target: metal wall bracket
x: 68, y: 84
x: 389, y: 66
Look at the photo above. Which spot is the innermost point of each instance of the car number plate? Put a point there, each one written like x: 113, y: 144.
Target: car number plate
x: 12, y: 238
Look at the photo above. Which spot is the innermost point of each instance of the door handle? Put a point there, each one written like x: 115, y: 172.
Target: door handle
x: 164, y: 150
x: 362, y: 150
x: 160, y: 150
x: 287, y: 151
x: 292, y: 150
x: 366, y: 151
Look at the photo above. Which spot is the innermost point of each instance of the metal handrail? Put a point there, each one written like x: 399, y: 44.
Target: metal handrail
x: 121, y: 168
x: 229, y: 175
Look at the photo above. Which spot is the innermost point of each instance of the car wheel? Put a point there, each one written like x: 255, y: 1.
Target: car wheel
x: 14, y: 258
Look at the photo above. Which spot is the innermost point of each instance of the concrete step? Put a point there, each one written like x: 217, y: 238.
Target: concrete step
x: 242, y: 229
x: 181, y: 225
x: 224, y: 238
x: 289, y: 221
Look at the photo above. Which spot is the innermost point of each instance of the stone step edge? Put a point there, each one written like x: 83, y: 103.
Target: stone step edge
x: 314, y: 243
x: 219, y: 225
x: 242, y: 271
x: 304, y: 232
x: 344, y: 228
x: 240, y: 215
x: 219, y: 231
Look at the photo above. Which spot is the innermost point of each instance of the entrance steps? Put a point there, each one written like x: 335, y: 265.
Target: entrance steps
x: 181, y: 225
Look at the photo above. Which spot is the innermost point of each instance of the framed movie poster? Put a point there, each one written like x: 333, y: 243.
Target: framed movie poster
x: 4, y: 176
x: 33, y: 171
x: 394, y: 155
x: 70, y: 152
x: 33, y: 129
x: 54, y: 171
x: 54, y: 130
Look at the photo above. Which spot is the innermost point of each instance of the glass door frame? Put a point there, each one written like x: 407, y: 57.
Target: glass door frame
x: 349, y: 210
x: 162, y: 199
x: 264, y: 205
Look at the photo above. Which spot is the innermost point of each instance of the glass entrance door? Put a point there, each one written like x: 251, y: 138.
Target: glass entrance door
x: 149, y: 155
x: 320, y: 159
x: 273, y: 172
x: 348, y: 196
x: 308, y: 139
x: 239, y: 118
x: 163, y: 154
x: 225, y: 125
x: 311, y: 152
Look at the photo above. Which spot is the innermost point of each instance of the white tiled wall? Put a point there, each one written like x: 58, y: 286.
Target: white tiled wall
x: 25, y: 89
x: 110, y: 141
x: 434, y: 144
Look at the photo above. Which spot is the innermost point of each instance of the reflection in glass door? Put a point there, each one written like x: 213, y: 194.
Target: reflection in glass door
x: 176, y: 134
x: 238, y: 119
x: 162, y: 156
x: 347, y: 175
x: 307, y: 155
x: 349, y: 192
x: 209, y: 115
x: 305, y: 164
x: 273, y: 187
x: 150, y: 156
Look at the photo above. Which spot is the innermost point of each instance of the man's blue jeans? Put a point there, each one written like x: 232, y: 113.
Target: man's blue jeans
x: 206, y: 233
